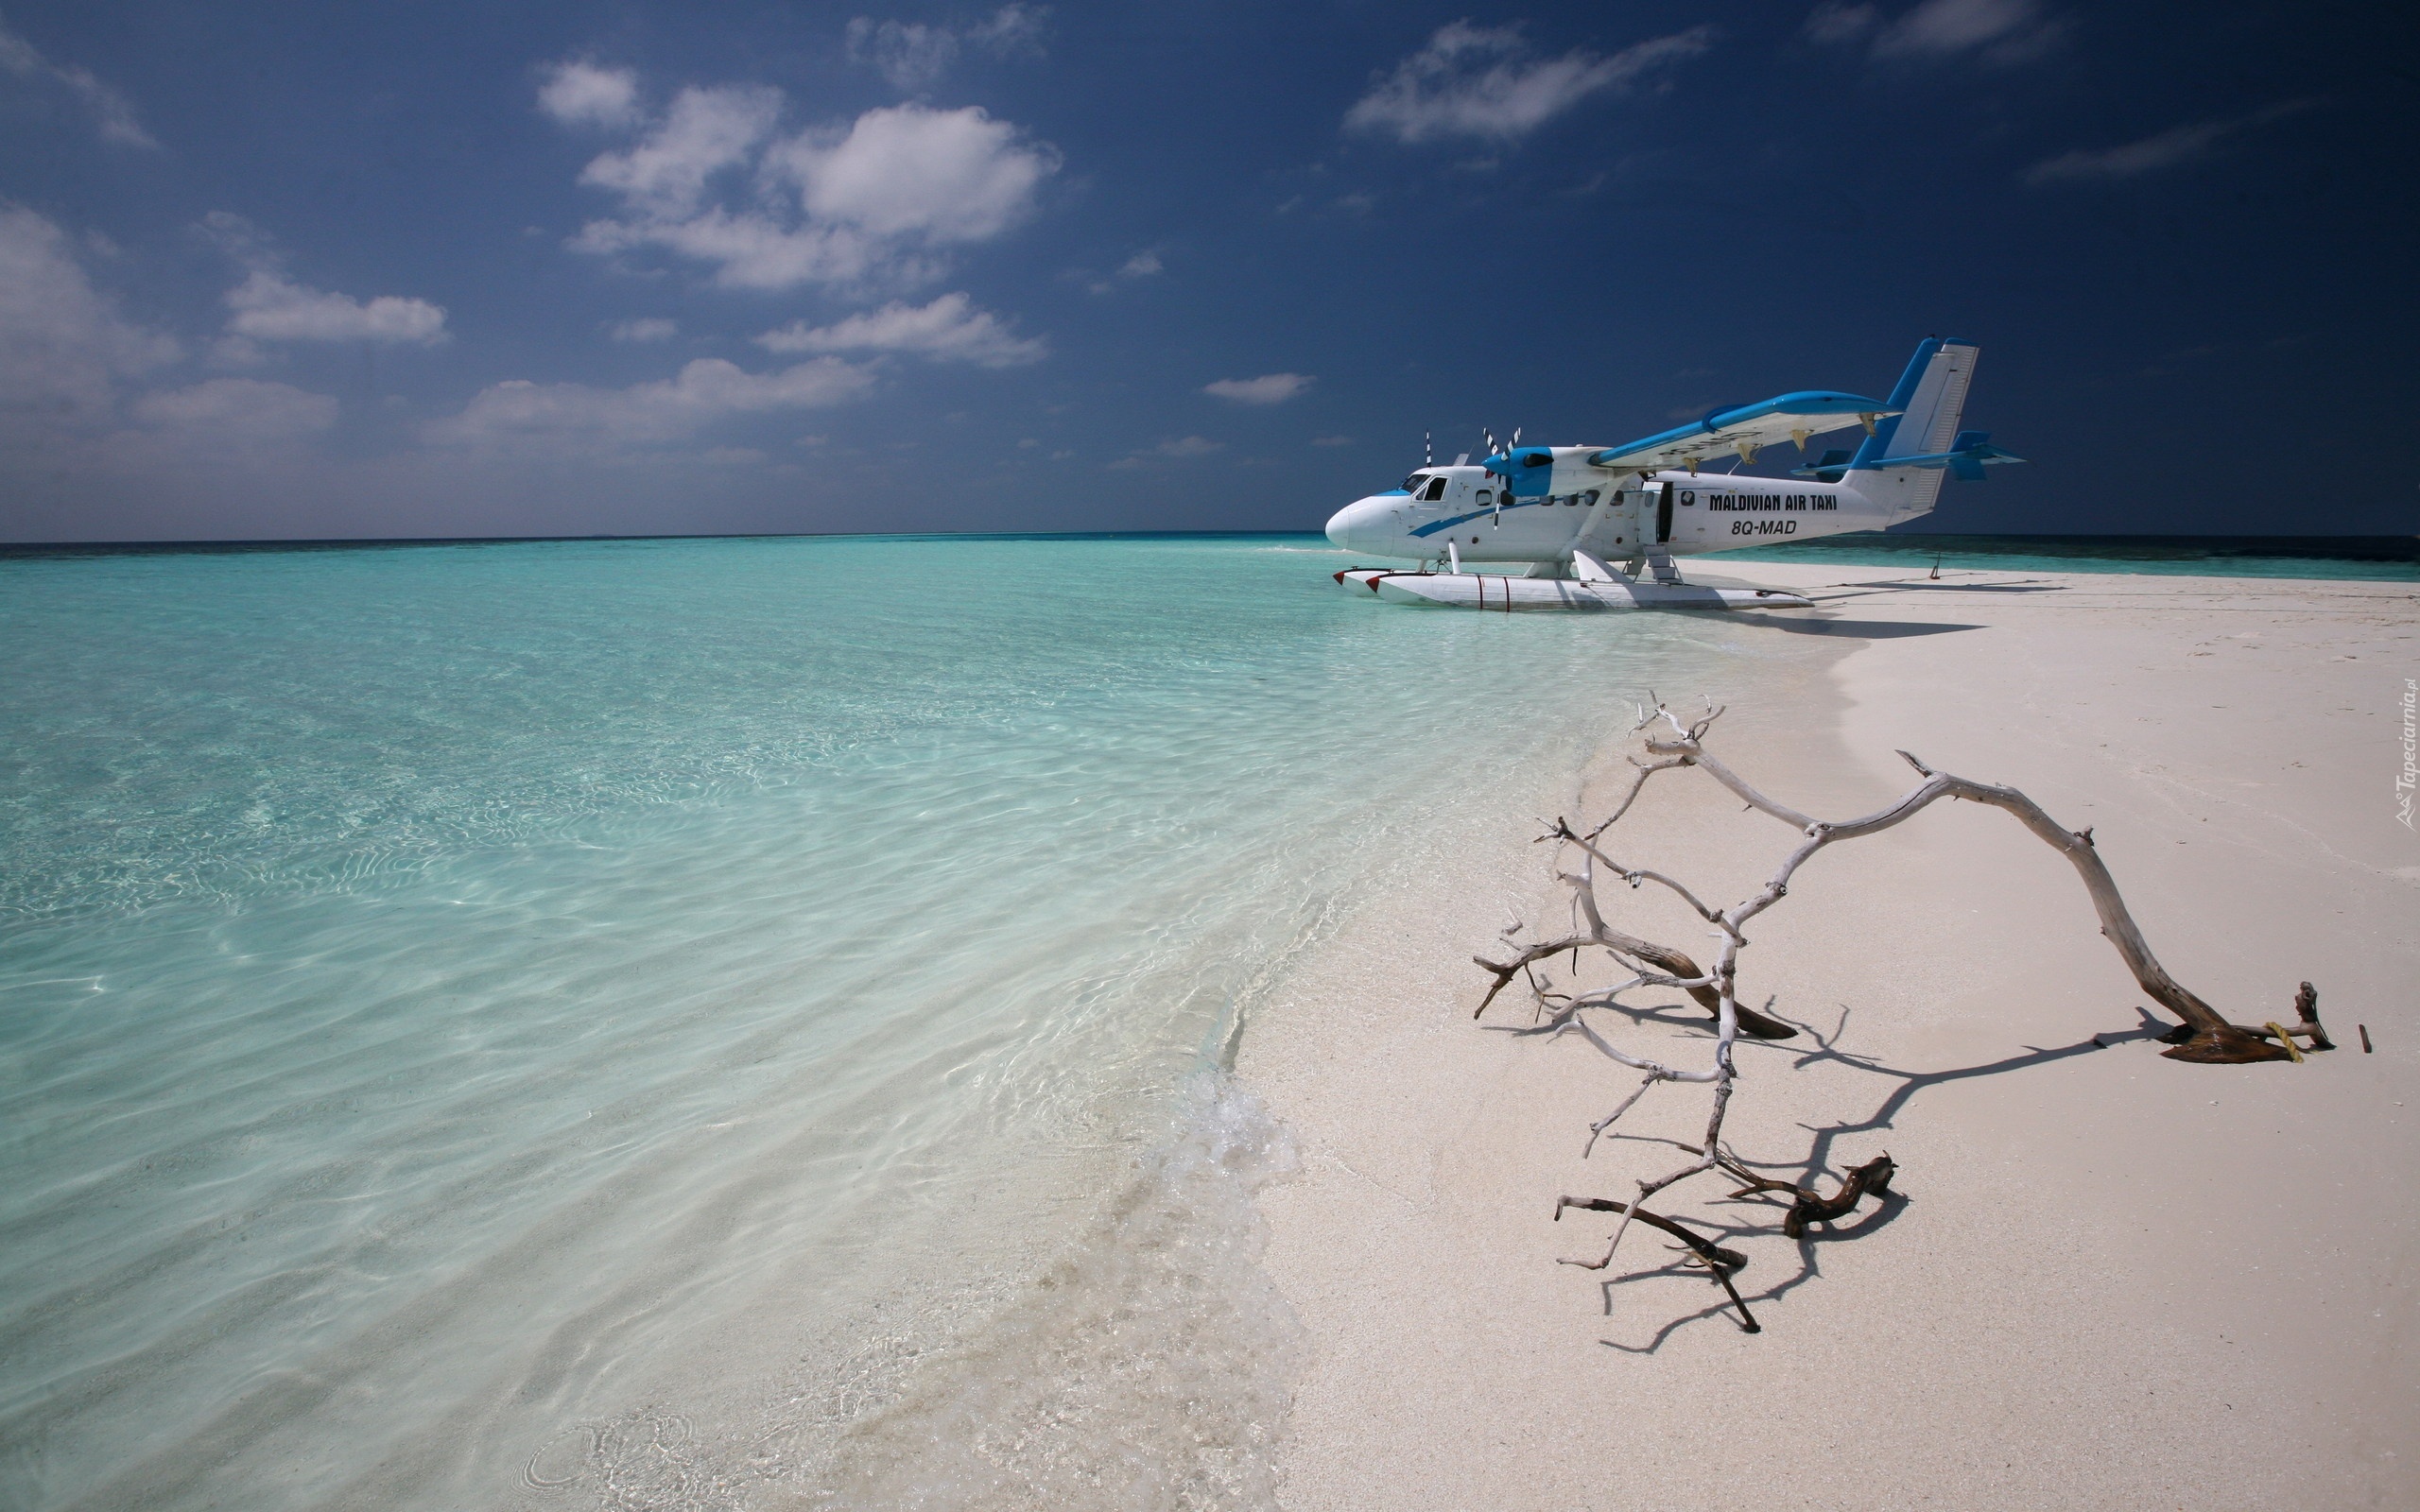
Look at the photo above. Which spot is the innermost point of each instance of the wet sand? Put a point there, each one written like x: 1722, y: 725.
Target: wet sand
x: 2107, y: 1280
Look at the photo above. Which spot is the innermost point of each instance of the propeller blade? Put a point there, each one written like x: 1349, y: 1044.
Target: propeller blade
x: 1428, y: 451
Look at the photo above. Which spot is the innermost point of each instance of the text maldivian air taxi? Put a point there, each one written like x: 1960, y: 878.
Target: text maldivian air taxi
x: 1568, y: 512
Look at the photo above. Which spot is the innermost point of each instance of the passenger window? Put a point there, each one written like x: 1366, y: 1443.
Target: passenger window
x: 1435, y: 489
x: 1485, y: 497
x: 1588, y: 498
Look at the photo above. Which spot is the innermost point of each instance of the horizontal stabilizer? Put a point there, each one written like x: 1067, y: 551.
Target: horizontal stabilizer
x: 1965, y: 460
x: 1828, y: 470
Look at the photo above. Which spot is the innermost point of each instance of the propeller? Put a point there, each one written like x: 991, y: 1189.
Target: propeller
x: 1498, y: 520
x: 1428, y: 451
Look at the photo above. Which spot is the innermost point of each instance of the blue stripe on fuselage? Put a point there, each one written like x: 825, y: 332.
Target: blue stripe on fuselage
x: 1435, y: 525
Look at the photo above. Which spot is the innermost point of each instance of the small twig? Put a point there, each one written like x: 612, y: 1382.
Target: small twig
x: 1603, y: 1124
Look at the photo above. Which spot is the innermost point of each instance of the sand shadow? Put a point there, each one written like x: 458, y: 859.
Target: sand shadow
x: 1828, y: 1048
x: 1857, y: 630
x: 1925, y: 585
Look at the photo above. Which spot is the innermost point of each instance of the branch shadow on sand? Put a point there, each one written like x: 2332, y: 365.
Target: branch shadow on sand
x: 1919, y: 585
x: 1851, y: 629
x: 1827, y: 1048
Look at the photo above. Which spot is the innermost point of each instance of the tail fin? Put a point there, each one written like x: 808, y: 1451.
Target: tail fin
x: 1931, y: 397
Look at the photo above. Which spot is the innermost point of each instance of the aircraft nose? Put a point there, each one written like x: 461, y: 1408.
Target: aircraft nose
x: 1348, y: 524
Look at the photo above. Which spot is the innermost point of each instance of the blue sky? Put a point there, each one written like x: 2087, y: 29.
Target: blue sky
x: 325, y: 271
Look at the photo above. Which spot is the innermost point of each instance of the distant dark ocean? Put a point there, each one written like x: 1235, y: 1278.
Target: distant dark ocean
x: 2384, y: 559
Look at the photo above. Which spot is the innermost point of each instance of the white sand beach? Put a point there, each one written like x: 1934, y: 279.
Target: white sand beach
x: 2109, y: 1279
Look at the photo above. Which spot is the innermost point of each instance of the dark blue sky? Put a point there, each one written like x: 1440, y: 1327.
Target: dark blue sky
x: 316, y: 270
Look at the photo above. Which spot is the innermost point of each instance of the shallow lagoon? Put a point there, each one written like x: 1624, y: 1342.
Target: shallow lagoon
x: 674, y: 1022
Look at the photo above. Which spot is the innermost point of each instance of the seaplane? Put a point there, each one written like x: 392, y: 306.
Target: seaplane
x: 1568, y: 515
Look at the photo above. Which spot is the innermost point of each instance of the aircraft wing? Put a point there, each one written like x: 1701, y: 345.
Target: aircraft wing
x: 1742, y: 429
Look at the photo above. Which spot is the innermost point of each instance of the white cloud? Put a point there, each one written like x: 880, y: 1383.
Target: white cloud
x: 63, y: 345
x: 238, y: 410
x: 2166, y: 149
x: 270, y: 307
x: 1940, y: 28
x: 706, y: 131
x: 1183, y: 449
x: 868, y: 204
x: 752, y: 250
x: 1014, y: 30
x: 1269, y: 388
x: 1836, y: 20
x: 909, y: 172
x: 1143, y: 265
x: 2175, y: 145
x: 1998, y: 31
x: 113, y: 112
x: 1481, y: 81
x: 66, y: 359
x: 652, y: 328
x: 704, y: 392
x: 237, y: 353
x: 950, y: 329
x: 580, y: 93
x: 912, y: 54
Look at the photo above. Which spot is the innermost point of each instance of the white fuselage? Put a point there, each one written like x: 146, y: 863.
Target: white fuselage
x: 1615, y: 517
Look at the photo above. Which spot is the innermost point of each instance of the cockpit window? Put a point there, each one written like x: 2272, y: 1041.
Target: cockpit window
x: 1435, y: 489
x: 1411, y: 485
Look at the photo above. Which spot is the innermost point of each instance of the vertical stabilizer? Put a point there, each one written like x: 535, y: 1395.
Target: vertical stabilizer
x: 1931, y: 397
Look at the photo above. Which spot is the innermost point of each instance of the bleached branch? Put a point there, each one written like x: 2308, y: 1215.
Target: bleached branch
x: 2203, y: 1037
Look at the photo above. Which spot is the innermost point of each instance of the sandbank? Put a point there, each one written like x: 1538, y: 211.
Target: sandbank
x: 2110, y: 1279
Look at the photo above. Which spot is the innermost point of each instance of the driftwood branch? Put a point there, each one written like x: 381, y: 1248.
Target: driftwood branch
x: 2203, y: 1037
x: 1719, y: 1261
x: 1872, y: 1178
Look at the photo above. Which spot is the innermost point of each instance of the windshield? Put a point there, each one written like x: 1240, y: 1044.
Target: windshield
x: 1411, y: 483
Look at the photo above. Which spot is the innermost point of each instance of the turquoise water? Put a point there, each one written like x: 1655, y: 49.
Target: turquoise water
x: 697, y: 1023
x: 2375, y: 558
